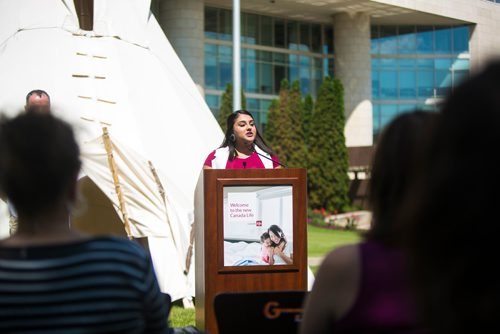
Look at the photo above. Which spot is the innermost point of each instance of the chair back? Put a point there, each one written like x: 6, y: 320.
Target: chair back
x: 259, y: 312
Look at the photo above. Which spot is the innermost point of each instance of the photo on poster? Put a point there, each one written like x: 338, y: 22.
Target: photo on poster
x: 258, y: 225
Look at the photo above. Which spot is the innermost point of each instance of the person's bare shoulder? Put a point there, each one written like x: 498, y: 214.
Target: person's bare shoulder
x: 341, y: 258
x: 334, y: 292
x: 341, y: 271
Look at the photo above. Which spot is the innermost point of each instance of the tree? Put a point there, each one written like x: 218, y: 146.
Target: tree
x: 284, y: 126
x: 296, y: 154
x: 307, y: 111
x: 226, y: 107
x: 307, y: 117
x: 272, y: 121
x: 328, y: 179
x: 278, y: 122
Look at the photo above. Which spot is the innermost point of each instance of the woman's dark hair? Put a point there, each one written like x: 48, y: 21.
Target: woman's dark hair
x: 229, y: 136
x: 279, y: 232
x: 392, y: 170
x: 39, y: 157
x: 453, y: 237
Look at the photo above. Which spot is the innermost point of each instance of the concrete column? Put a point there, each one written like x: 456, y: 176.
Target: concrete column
x: 183, y: 24
x: 353, y: 68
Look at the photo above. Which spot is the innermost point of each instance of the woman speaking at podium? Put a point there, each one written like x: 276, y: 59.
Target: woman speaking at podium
x: 243, y: 146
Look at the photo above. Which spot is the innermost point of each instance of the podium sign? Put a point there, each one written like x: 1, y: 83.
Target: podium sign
x: 249, y: 212
x: 251, y: 235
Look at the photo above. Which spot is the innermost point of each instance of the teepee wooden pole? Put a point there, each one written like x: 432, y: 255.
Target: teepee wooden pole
x: 161, y: 190
x: 114, y: 172
x: 189, y: 255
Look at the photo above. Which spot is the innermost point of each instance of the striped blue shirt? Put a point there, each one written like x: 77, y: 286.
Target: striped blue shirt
x: 100, y: 285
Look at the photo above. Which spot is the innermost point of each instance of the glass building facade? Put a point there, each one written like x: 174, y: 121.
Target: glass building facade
x: 412, y: 66
x: 415, y: 67
x: 273, y: 49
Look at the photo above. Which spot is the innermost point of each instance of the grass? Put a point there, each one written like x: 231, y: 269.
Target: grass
x: 181, y: 317
x: 320, y: 241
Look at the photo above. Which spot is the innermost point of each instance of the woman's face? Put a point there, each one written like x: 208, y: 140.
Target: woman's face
x: 244, y: 129
x: 274, y: 238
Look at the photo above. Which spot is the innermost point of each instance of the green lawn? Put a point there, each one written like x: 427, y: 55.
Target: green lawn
x: 320, y: 241
x: 181, y: 317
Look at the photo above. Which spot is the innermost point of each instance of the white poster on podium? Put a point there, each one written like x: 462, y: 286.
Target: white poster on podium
x: 257, y: 221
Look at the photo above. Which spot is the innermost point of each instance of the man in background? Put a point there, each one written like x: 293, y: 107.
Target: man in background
x: 37, y: 101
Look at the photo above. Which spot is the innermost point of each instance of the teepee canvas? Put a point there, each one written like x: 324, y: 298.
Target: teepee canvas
x: 144, y: 128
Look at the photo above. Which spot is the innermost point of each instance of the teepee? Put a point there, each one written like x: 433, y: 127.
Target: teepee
x: 143, y: 127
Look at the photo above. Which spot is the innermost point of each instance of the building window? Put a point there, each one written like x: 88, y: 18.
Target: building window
x: 425, y: 39
x: 273, y: 49
x: 213, y: 103
x: 415, y: 67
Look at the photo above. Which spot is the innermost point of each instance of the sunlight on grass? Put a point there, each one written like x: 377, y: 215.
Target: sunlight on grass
x: 181, y: 317
x: 321, y: 241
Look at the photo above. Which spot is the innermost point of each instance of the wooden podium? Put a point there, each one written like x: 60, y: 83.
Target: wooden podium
x: 232, y: 209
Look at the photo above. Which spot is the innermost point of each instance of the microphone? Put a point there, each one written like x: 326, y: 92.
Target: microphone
x: 252, y: 148
x: 244, y: 164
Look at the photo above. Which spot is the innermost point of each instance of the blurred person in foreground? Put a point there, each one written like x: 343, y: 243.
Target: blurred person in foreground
x: 365, y: 288
x: 452, y: 241
x: 54, y: 279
